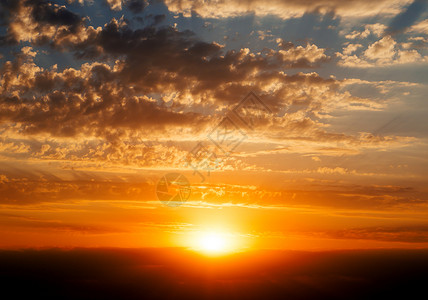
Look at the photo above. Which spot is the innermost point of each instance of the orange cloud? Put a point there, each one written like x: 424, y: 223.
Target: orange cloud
x: 285, y: 8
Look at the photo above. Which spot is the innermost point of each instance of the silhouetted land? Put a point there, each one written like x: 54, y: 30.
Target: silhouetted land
x: 175, y: 273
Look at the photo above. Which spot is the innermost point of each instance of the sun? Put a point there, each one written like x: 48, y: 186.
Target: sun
x: 213, y: 243
x: 217, y: 240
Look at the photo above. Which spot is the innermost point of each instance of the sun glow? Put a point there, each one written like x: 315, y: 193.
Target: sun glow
x: 213, y: 243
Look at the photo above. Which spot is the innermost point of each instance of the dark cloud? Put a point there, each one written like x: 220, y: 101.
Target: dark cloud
x: 39, y: 21
x: 178, y: 60
x: 79, y: 100
x: 157, y: 19
x: 99, y: 96
x: 136, y: 6
x: 46, y: 12
x: 121, y: 93
x: 7, y: 9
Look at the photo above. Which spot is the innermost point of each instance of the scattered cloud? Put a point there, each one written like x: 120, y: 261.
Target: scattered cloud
x: 351, y: 48
x: 384, y: 52
x: 115, y: 4
x: 421, y: 27
x: 376, y: 29
x: 285, y: 9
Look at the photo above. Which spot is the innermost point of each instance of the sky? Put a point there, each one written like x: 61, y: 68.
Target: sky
x: 285, y: 124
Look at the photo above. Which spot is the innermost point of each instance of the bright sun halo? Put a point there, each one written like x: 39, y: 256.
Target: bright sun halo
x: 213, y: 243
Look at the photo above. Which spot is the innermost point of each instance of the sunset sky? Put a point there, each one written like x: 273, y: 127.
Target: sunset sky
x: 101, y: 99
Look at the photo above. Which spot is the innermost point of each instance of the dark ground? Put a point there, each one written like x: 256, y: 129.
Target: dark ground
x: 179, y: 274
